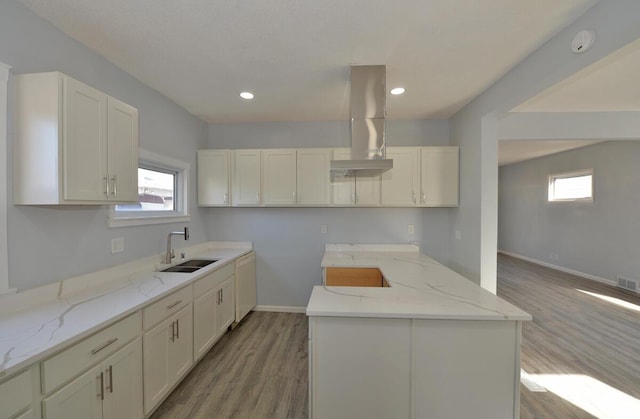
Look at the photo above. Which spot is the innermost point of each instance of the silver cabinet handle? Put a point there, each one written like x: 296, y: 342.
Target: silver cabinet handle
x: 110, y: 385
x: 177, y: 328
x: 226, y: 198
x: 114, y: 192
x: 295, y: 197
x: 104, y: 345
x: 101, y: 389
x: 170, y: 306
x: 106, y: 185
x: 353, y: 198
x: 413, y: 196
x: 221, y: 296
x: 424, y: 198
x: 173, y: 332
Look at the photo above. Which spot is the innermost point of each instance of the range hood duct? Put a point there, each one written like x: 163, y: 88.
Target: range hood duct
x: 368, y: 111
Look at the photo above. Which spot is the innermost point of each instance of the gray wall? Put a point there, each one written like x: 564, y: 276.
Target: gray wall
x: 600, y: 238
x: 474, y: 128
x: 288, y: 242
x: 49, y: 244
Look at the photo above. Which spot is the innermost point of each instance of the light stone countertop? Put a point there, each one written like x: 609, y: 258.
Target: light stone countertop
x: 420, y: 288
x: 38, y: 323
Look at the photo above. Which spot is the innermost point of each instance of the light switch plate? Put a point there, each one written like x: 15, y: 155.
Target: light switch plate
x: 411, y: 229
x: 117, y: 245
x: 323, y: 229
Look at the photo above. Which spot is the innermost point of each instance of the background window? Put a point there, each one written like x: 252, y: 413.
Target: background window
x: 571, y: 187
x: 162, y: 193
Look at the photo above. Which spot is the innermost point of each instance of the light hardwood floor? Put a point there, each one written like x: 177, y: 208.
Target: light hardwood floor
x: 572, y: 333
x: 259, y: 370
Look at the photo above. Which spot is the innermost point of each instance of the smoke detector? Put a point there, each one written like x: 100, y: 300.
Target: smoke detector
x: 583, y: 41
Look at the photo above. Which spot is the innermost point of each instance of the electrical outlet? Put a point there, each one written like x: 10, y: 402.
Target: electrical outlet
x: 411, y: 229
x: 117, y: 245
x: 323, y: 229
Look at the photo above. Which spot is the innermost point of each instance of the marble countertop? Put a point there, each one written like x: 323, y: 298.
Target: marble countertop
x: 419, y: 288
x: 37, y: 323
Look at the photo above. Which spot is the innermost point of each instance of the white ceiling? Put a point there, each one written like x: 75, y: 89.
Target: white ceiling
x: 510, y: 152
x: 295, y: 55
x: 609, y: 85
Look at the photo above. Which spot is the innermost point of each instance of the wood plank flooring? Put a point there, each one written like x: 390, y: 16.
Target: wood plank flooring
x: 260, y: 369
x: 257, y: 370
x: 572, y: 333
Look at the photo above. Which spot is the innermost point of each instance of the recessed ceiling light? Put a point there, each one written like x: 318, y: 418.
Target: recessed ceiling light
x: 246, y: 95
x: 397, y: 91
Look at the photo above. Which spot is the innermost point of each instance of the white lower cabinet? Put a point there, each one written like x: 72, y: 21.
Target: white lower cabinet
x: 18, y: 395
x: 109, y: 390
x: 213, y: 312
x: 167, y: 356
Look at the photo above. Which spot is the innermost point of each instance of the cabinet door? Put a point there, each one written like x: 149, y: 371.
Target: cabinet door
x: 343, y: 188
x: 439, y: 176
x: 213, y: 178
x: 80, y: 399
x: 123, y: 383
x: 368, y: 190
x: 226, y: 305
x: 84, y: 161
x: 246, y: 177
x: 181, y: 349
x: 122, y: 156
x: 400, y: 184
x: 155, y: 360
x: 205, y: 322
x: 279, y: 177
x: 313, y: 179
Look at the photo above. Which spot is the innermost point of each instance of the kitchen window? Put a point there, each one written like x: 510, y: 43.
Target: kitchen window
x: 162, y: 193
x: 571, y: 186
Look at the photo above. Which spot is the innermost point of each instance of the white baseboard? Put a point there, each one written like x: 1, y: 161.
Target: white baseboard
x: 560, y: 268
x: 281, y: 309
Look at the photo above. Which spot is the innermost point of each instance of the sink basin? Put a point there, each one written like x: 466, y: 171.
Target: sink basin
x: 190, y: 266
x: 198, y: 263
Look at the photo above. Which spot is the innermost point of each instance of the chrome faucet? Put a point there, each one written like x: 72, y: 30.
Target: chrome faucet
x: 170, y: 254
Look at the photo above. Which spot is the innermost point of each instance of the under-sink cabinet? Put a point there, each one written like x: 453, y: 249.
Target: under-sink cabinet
x: 74, y: 144
x: 213, y: 308
x: 167, y: 346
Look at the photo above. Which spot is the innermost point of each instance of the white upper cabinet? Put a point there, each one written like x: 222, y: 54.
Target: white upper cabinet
x: 439, y: 174
x: 313, y: 179
x: 401, y: 185
x: 279, y: 177
x: 350, y: 191
x: 122, y: 150
x: 246, y: 178
x: 213, y: 178
x: 75, y: 144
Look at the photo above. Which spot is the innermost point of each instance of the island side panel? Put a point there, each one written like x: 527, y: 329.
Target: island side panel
x: 359, y: 367
x: 466, y: 368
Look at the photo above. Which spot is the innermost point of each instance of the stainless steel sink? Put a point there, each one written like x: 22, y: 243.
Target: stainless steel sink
x: 190, y: 266
x: 198, y: 263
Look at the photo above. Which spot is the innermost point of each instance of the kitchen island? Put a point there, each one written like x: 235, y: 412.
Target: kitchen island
x: 430, y: 345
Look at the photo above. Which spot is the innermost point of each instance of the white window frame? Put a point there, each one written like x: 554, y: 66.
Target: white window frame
x: 577, y: 173
x: 180, y: 214
x: 4, y: 256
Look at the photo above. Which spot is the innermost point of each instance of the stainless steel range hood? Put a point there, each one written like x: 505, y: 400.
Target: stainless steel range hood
x: 367, y: 109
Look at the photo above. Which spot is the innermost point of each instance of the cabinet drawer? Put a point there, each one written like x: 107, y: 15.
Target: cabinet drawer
x: 212, y: 280
x: 71, y: 362
x: 15, y: 394
x: 170, y: 304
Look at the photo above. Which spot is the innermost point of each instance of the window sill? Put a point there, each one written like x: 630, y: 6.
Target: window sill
x: 141, y: 221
